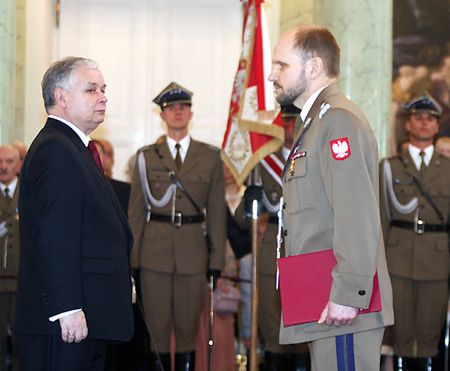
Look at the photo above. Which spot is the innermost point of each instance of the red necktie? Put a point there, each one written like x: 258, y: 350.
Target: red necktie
x: 93, y: 148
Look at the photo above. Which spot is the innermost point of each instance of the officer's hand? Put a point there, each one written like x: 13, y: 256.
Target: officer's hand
x: 3, y: 229
x: 214, y: 274
x: 253, y: 192
x: 337, y: 314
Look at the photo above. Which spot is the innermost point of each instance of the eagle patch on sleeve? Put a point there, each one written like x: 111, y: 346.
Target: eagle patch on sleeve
x: 340, y: 148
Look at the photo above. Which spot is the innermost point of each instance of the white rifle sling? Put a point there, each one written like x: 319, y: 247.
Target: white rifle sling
x: 149, y: 199
x: 390, y: 198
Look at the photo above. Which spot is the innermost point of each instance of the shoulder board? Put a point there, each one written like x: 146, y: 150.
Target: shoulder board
x: 210, y: 146
x: 161, y: 139
x: 146, y: 148
x: 393, y: 157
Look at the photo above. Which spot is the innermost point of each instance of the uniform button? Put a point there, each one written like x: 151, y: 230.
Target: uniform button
x: 362, y: 292
x: 285, y: 232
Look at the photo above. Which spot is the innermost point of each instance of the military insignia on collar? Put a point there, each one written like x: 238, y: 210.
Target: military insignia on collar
x: 324, y: 107
x: 340, y: 148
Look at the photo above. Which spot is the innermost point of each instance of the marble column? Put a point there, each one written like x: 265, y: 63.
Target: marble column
x: 7, y: 52
x: 364, y: 31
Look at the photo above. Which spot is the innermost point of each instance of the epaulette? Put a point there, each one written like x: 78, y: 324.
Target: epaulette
x: 324, y: 107
x: 211, y: 147
x: 161, y: 139
x: 145, y: 148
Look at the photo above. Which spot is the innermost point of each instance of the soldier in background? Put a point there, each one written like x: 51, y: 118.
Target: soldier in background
x: 277, y: 357
x: 177, y: 195
x: 415, y: 207
x: 9, y: 247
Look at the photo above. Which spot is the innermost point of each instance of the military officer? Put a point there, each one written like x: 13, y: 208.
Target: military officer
x: 9, y: 247
x: 177, y: 196
x: 332, y: 170
x: 277, y: 357
x: 415, y: 207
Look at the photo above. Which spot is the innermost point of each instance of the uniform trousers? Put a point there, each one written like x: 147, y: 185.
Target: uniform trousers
x: 50, y: 353
x: 172, y: 301
x: 7, y: 314
x: 420, y: 310
x: 270, y: 317
x: 352, y: 352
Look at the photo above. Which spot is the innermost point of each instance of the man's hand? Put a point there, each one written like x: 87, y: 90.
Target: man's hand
x: 3, y: 229
x: 336, y: 314
x: 73, y: 327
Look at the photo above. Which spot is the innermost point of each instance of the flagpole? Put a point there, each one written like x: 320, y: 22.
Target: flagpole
x: 254, y: 364
x: 254, y: 341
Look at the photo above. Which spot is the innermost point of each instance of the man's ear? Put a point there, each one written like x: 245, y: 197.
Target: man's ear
x: 314, y: 67
x: 60, y: 97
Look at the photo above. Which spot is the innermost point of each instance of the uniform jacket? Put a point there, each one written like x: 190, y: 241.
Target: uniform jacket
x: 9, y: 270
x: 75, y: 240
x: 163, y: 247
x: 411, y: 255
x: 333, y: 204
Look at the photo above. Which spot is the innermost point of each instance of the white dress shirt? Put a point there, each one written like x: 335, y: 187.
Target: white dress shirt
x: 184, y: 146
x: 309, y: 103
x: 11, y: 186
x: 415, y: 155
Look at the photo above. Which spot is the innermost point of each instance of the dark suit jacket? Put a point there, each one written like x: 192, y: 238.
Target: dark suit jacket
x: 75, y: 240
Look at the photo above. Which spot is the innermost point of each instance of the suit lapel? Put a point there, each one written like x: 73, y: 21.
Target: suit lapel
x: 433, y: 169
x: 87, y: 158
x: 164, y: 155
x: 409, y: 165
x: 191, y: 159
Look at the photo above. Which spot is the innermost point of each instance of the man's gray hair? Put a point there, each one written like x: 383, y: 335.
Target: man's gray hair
x: 59, y: 76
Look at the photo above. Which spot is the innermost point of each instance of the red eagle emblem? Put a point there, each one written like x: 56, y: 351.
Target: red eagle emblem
x: 340, y: 148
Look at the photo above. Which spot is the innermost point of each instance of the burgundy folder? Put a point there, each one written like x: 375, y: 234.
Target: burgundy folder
x: 305, y: 285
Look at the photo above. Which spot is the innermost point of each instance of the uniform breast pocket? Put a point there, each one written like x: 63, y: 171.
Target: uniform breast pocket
x: 198, y: 181
x: 297, y: 188
x: 404, y: 188
x: 159, y: 182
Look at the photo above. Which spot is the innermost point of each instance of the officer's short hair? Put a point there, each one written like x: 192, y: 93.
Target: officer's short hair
x: 316, y: 41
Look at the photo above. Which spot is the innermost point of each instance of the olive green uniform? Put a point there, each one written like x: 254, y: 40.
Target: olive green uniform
x: 10, y: 250
x: 174, y: 259
x: 419, y: 263
x: 331, y: 202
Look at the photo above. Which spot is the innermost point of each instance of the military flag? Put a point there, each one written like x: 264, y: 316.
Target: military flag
x: 254, y: 127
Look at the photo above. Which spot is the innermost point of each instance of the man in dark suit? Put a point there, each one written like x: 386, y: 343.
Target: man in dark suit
x: 74, y: 289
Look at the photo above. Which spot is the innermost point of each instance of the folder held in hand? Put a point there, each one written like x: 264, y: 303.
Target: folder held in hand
x: 305, y: 285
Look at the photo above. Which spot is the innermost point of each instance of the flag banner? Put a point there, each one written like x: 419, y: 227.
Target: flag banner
x: 254, y: 127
